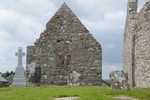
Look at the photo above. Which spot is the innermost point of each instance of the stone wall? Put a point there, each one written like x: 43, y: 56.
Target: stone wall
x: 142, y: 47
x: 128, y: 46
x: 137, y: 45
x: 65, y: 53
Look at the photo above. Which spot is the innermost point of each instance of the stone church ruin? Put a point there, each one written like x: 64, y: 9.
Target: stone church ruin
x: 136, y: 48
x: 65, y: 53
x: 137, y: 45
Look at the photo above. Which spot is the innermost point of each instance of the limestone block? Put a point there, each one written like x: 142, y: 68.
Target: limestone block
x: 119, y: 80
x: 74, y: 79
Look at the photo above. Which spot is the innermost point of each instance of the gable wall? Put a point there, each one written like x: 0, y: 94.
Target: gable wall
x: 65, y: 49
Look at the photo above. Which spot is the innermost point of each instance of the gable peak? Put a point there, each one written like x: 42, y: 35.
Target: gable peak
x: 64, y: 4
x: 64, y: 20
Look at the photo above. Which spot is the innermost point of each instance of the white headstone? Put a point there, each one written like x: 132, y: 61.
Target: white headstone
x: 19, y: 78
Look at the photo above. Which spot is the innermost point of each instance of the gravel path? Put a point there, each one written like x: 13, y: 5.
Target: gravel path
x: 117, y: 97
x: 66, y: 98
x: 125, y: 98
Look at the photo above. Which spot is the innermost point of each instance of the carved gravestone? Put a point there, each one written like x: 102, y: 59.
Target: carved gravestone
x: 19, y: 78
x: 119, y: 80
x: 36, y: 77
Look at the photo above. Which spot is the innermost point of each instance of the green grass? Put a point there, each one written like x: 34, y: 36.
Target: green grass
x: 49, y: 92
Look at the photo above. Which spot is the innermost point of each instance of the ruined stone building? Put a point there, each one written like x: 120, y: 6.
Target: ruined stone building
x: 65, y: 53
x: 137, y: 45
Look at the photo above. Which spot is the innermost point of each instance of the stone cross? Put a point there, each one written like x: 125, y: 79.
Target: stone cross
x: 20, y: 54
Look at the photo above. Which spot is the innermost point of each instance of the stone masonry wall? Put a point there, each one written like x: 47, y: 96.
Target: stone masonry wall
x: 137, y: 45
x: 142, y: 47
x: 65, y: 53
x: 128, y: 46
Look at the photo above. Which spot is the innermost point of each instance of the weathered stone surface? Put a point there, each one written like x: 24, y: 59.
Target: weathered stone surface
x: 142, y: 47
x: 136, y: 47
x: 65, y: 52
x: 128, y: 47
x: 119, y: 80
x: 75, y: 79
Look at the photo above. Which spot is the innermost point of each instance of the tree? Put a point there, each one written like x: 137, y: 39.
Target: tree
x: 6, y: 74
x: 12, y: 73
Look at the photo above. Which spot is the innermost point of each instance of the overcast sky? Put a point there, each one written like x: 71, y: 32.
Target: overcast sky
x: 22, y: 21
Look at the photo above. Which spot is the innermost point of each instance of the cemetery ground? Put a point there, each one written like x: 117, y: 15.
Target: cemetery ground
x: 49, y: 92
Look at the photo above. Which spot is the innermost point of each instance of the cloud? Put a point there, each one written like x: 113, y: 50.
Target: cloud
x: 107, y: 68
x: 110, y: 46
x: 22, y: 21
x: 141, y: 3
x: 6, y: 14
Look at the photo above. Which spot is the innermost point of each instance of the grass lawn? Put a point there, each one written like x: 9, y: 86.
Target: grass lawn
x: 49, y: 92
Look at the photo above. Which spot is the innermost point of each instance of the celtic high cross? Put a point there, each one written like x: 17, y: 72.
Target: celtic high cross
x: 20, y: 54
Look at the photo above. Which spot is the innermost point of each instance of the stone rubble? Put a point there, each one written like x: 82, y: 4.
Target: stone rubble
x: 119, y: 80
